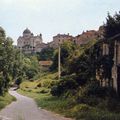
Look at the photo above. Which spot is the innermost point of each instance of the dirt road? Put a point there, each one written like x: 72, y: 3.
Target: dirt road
x: 26, y: 109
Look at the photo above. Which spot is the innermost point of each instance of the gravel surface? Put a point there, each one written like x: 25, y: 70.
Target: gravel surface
x: 26, y: 109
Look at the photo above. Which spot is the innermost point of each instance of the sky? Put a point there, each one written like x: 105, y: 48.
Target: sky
x: 51, y: 17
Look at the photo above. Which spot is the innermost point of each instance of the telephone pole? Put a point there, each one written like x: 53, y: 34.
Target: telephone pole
x: 59, y: 61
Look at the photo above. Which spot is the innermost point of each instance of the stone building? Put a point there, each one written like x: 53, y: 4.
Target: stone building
x: 116, y: 66
x: 60, y: 38
x: 29, y: 43
x: 115, y: 81
x: 85, y: 37
x: 81, y: 39
x: 40, y: 46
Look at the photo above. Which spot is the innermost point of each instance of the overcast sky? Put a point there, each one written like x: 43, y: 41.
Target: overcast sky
x: 51, y: 17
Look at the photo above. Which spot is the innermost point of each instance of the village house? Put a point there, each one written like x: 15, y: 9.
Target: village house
x: 60, y: 38
x: 85, y: 37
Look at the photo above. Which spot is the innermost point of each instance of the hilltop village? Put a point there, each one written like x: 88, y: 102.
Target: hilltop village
x: 29, y: 43
x: 77, y: 76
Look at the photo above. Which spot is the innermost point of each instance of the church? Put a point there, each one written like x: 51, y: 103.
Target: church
x: 28, y: 43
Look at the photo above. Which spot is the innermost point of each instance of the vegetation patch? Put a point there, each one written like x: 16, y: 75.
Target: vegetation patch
x: 5, y: 100
x: 79, y: 104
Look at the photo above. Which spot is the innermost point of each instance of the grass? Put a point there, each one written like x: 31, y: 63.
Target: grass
x: 46, y: 101
x: 69, y: 109
x: 5, y: 100
x: 66, y: 107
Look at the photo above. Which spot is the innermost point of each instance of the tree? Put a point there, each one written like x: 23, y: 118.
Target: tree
x: 112, y: 25
x: 46, y: 54
x: 31, y: 66
x: 6, y: 60
x: 67, y: 50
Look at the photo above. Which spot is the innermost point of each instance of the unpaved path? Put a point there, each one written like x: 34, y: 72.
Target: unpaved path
x: 26, y: 109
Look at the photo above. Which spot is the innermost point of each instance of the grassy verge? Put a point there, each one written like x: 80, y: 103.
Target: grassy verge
x: 69, y: 109
x: 5, y: 100
x: 40, y: 91
x: 48, y: 102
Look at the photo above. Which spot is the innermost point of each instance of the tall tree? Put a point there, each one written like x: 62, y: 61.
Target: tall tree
x: 112, y: 25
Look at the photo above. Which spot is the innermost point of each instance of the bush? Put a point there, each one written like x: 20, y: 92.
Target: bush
x: 94, y: 89
x: 66, y: 84
x: 43, y: 91
x: 18, y: 81
x: 56, y: 90
x: 31, y: 73
x: 111, y: 103
x: 89, y: 100
x: 46, y: 83
x: 81, y: 108
x: 82, y: 79
x: 97, y: 114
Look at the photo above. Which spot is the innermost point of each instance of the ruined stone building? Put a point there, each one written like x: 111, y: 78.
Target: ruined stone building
x: 115, y: 72
x: 116, y: 66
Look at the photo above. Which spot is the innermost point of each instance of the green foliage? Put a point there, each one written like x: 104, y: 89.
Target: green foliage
x: 79, y: 94
x: 30, y: 73
x: 111, y: 29
x: 67, y: 83
x: 5, y: 100
x: 87, y: 93
x: 56, y: 91
x: 46, y: 54
x: 70, y: 109
x: 48, y: 83
x: 85, y: 63
x: 112, y: 26
x: 46, y: 101
x: 14, y: 66
x: 67, y: 50
x: 96, y: 114
x: 31, y: 66
x: 6, y: 61
x: 19, y: 81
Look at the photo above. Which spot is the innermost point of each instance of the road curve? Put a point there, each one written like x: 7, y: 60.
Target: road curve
x: 26, y: 109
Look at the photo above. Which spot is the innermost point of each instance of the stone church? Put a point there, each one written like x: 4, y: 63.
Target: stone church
x: 28, y: 43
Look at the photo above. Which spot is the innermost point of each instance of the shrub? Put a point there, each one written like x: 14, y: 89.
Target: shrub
x: 111, y: 103
x: 93, y: 88
x: 53, y: 83
x: 48, y: 83
x: 56, y: 90
x: 43, y: 91
x: 96, y: 114
x: 81, y: 108
x: 81, y: 79
x: 31, y: 73
x: 89, y: 100
x: 66, y: 84
x: 19, y: 81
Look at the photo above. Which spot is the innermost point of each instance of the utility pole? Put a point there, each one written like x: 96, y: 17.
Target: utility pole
x: 59, y: 69
x: 20, y: 55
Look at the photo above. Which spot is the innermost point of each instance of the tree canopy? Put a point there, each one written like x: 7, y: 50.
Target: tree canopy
x: 112, y: 25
